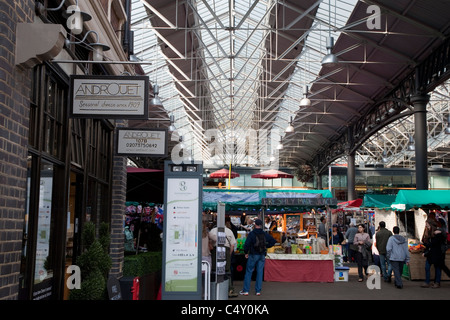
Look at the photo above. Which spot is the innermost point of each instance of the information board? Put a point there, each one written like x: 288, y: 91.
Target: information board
x: 182, y: 234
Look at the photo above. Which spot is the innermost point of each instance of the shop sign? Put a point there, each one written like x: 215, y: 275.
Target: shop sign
x: 299, y: 201
x: 107, y: 97
x: 142, y: 142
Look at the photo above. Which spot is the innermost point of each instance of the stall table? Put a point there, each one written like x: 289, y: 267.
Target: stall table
x: 299, y: 267
x: 417, y: 267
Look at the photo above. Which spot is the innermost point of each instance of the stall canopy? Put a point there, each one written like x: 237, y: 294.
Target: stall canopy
x: 350, y: 204
x: 378, y: 201
x: 224, y: 173
x: 252, y: 199
x: 272, y: 174
x: 407, y: 199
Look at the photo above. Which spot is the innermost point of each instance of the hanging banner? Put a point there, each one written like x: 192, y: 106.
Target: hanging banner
x: 107, y: 97
x: 141, y: 142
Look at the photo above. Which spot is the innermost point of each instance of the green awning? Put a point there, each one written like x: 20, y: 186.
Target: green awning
x: 407, y: 199
x: 379, y: 201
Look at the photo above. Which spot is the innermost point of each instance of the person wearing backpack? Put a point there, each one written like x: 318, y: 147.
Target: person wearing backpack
x: 255, y: 248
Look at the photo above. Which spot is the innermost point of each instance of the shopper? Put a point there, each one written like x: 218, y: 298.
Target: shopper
x: 381, y: 237
x: 255, y: 252
x: 230, y: 245
x: 336, y: 235
x: 398, y: 254
x: 322, y: 230
x: 375, y: 253
x: 362, y: 254
x: 206, y: 243
x: 350, y: 236
x: 435, y: 247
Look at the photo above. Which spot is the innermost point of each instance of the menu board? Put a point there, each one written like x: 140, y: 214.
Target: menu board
x: 182, y: 230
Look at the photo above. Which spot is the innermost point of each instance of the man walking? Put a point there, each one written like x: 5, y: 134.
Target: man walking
x: 398, y: 254
x: 255, y: 252
x: 381, y: 238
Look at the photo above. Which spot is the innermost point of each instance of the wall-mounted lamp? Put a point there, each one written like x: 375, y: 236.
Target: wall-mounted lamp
x: 75, y: 17
x: 330, y: 60
x: 290, y: 127
x: 305, y: 102
x: 155, y: 101
x: 97, y: 47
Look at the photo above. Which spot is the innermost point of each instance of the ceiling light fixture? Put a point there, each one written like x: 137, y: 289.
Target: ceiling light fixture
x: 447, y: 130
x: 280, y: 145
x: 330, y: 60
x: 411, y: 146
x: 155, y: 101
x: 172, y: 126
x: 290, y: 127
x: 305, y: 102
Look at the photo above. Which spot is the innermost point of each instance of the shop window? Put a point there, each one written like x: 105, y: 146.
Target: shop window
x: 78, y: 142
x: 47, y: 114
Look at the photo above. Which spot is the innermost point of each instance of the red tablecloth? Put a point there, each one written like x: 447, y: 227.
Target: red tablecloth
x: 299, y: 270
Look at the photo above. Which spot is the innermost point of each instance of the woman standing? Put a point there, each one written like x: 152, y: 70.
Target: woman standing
x: 362, y: 254
x: 336, y: 235
x: 434, y: 242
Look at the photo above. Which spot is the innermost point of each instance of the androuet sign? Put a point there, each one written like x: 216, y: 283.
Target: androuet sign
x: 124, y: 97
x: 142, y: 142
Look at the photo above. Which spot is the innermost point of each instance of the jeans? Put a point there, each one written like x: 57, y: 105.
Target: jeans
x: 383, y: 261
x: 437, y: 278
x: 254, y: 260
x: 397, y: 267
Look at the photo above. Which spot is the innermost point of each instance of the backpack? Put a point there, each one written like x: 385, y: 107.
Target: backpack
x: 260, y: 243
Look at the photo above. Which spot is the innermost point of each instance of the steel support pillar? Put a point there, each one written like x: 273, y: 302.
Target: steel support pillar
x: 420, y: 102
x: 319, y: 181
x: 351, y: 192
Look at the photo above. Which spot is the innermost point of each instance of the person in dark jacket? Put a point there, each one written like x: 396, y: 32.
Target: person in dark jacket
x: 434, y: 242
x: 255, y: 259
x: 381, y: 238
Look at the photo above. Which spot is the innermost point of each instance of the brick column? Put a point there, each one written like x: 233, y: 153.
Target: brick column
x: 15, y: 89
x: 118, y: 198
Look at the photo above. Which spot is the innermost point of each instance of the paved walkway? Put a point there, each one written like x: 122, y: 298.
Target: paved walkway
x: 350, y: 290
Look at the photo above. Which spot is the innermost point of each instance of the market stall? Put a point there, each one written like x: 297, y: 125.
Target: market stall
x: 295, y: 211
x: 303, y: 260
x: 422, y: 203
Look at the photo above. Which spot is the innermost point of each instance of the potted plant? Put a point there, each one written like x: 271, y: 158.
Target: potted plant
x: 94, y: 263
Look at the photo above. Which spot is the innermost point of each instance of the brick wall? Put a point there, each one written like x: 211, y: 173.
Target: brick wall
x: 14, y: 116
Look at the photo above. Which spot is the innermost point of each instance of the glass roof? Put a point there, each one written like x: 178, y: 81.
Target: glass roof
x: 234, y: 39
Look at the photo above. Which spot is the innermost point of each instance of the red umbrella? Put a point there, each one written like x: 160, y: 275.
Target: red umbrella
x: 272, y: 174
x: 223, y: 173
